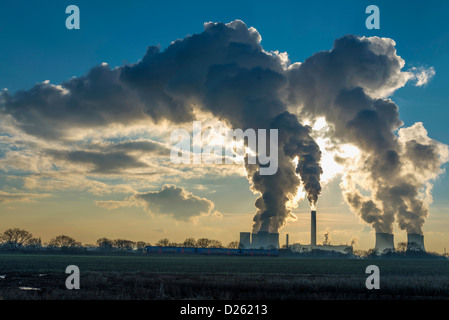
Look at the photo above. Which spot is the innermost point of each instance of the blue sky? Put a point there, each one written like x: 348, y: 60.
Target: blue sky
x: 36, y: 46
x: 34, y: 37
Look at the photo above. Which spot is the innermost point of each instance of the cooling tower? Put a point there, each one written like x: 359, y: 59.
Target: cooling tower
x: 245, y: 240
x: 384, y: 241
x: 415, y: 242
x: 261, y: 240
x: 264, y: 239
x: 254, y: 241
x: 273, y: 240
x: 313, y: 228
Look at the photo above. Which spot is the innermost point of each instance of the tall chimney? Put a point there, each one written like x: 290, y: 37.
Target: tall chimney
x: 384, y: 241
x: 313, y: 228
x: 286, y: 241
x: 415, y: 242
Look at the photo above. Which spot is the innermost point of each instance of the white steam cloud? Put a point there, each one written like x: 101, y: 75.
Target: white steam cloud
x: 225, y: 71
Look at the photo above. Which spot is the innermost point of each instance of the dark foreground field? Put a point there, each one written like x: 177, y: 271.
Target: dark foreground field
x: 215, y: 277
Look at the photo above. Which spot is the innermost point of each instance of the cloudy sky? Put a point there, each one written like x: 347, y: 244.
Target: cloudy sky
x: 86, y: 117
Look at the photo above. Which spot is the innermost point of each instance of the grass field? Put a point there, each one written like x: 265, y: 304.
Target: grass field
x: 215, y: 277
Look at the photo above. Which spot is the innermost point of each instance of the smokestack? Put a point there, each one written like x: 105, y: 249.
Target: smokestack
x: 384, y: 241
x: 313, y: 228
x: 245, y: 240
x: 286, y: 241
x: 415, y: 242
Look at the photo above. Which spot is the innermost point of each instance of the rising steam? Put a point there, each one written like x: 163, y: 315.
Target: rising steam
x: 225, y: 71
x: 348, y: 86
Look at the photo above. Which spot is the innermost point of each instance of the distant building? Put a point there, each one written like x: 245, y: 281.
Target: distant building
x: 345, y: 249
x: 259, y: 240
x: 245, y: 240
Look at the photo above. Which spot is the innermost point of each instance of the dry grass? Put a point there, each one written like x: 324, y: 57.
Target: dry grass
x: 142, y: 285
x: 220, y: 278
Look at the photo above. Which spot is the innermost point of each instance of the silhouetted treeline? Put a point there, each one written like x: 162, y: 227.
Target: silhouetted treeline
x: 16, y: 239
x: 400, y: 253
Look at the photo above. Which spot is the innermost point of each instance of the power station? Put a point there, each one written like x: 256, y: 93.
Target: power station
x: 267, y: 240
x: 384, y: 241
x: 415, y: 242
x: 261, y: 239
x: 270, y: 240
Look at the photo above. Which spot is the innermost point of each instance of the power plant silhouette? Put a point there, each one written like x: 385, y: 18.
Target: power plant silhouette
x: 384, y: 242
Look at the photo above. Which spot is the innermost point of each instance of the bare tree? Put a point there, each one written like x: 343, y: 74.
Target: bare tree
x: 124, y: 245
x: 372, y: 253
x: 163, y: 243
x: 15, y: 238
x: 360, y: 253
x: 63, y: 241
x: 401, y: 247
x: 189, y: 242
x: 215, y: 244
x: 34, y: 243
x: 141, y: 244
x: 105, y: 244
x: 203, y: 242
x: 233, y: 245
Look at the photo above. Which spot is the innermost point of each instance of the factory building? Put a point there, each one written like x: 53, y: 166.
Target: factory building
x: 261, y: 239
x: 299, y: 248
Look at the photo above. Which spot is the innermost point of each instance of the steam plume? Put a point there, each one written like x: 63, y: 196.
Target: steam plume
x: 223, y: 70
x: 348, y: 86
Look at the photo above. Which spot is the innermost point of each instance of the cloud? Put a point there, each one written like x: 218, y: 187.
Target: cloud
x: 225, y: 72
x: 349, y: 86
x: 175, y: 202
x: 144, y: 146
x: 102, y: 162
x: 6, y: 197
x: 67, y: 180
x: 111, y: 204
x: 422, y: 76
x: 171, y: 201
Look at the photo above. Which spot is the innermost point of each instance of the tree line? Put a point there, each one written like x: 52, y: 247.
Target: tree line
x: 20, y: 239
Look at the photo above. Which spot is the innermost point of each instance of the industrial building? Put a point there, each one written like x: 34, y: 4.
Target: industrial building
x: 301, y: 248
x: 261, y: 239
x: 345, y: 249
x: 384, y: 242
x: 269, y: 240
x: 415, y: 242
